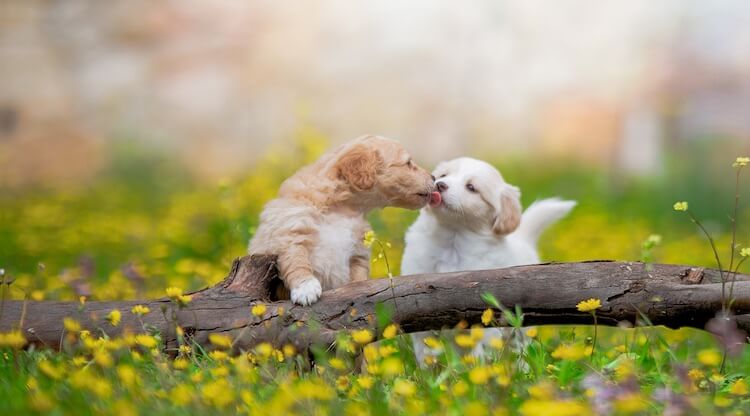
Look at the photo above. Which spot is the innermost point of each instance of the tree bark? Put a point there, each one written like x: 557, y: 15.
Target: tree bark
x: 670, y: 295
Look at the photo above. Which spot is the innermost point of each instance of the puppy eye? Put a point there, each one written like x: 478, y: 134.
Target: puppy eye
x: 471, y: 187
x: 443, y: 175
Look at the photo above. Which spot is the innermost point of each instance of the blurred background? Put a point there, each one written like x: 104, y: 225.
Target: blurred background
x: 139, y: 140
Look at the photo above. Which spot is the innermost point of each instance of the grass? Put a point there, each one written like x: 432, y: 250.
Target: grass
x: 146, y: 225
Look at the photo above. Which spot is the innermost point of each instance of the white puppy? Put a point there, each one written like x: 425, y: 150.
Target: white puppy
x: 477, y: 223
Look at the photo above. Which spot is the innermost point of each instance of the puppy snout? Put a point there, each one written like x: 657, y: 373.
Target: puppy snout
x: 441, y: 186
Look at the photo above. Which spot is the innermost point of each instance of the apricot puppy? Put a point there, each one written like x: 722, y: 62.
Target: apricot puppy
x: 317, y: 223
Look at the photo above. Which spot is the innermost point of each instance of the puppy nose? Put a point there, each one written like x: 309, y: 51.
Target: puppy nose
x: 441, y: 186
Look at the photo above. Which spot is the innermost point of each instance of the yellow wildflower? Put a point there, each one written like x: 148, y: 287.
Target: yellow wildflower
x: 503, y: 380
x: 114, y: 316
x: 741, y: 162
x: 289, y: 350
x: 103, y: 358
x: 127, y: 375
x: 739, y: 388
x: 404, y: 388
x: 37, y: 295
x: 180, y: 364
x: 82, y: 300
x: 369, y: 238
x: 745, y: 252
x: 337, y: 363
x: 709, y: 357
x: 174, y: 292
x: 181, y: 395
x: 552, y: 407
x: 476, y: 332
x: 41, y: 402
x: 532, y: 332
x: 218, y: 393
x: 146, y: 341
x: 433, y: 343
x: 497, y: 343
x: 387, y: 350
x: 487, y: 316
x: 680, y: 206
x: 342, y: 383
x: 12, y: 339
x: 475, y: 408
x: 624, y: 370
x: 465, y: 341
x: 220, y: 340
x: 218, y: 355
x: 630, y: 403
x: 392, y: 366
x: 258, y: 310
x: 716, y: 377
x: 460, y: 388
x: 366, y: 382
x: 220, y: 371
x: 71, y: 325
x: 569, y: 352
x: 312, y: 389
x: 264, y: 350
x: 696, y: 374
x: 589, y: 305
x: 140, y: 310
x: 469, y: 359
x: 479, y: 375
x: 362, y: 336
x: 50, y: 370
x: 390, y: 331
x: 542, y: 391
x: 722, y: 401
x: 371, y: 353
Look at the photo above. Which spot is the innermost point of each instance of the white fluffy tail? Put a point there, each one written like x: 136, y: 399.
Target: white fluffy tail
x: 540, y: 215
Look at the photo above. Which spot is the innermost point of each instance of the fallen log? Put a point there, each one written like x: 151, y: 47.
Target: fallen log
x: 670, y: 295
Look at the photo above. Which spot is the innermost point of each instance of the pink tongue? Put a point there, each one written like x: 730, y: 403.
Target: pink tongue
x: 435, y: 199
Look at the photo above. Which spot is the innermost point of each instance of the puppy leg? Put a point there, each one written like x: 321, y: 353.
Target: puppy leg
x: 359, y: 268
x: 297, y: 273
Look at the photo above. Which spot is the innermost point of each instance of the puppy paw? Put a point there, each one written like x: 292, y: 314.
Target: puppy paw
x: 307, y: 293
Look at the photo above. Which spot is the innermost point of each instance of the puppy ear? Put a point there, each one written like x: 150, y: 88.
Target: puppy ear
x: 509, y: 217
x: 359, y: 166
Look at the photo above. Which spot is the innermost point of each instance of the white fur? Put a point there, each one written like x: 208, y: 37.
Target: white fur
x: 460, y: 234
x: 338, y: 238
x: 307, y: 293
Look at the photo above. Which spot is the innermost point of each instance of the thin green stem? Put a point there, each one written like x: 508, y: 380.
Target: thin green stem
x: 390, y: 275
x: 385, y: 256
x: 734, y: 218
x: 734, y: 278
x: 2, y: 295
x: 716, y: 256
x: 593, y: 343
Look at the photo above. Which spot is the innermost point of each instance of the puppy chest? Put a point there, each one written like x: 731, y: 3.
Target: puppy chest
x: 337, y: 238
